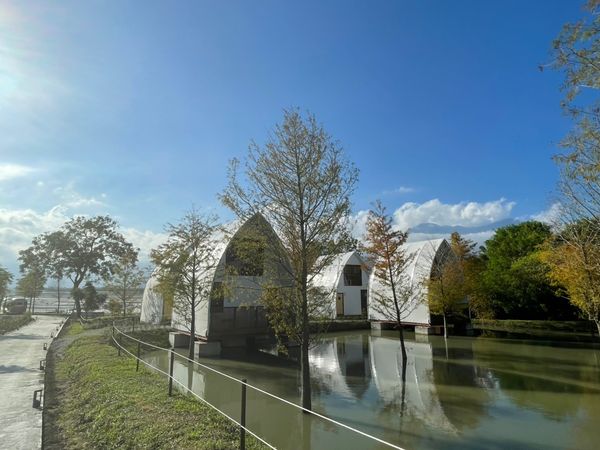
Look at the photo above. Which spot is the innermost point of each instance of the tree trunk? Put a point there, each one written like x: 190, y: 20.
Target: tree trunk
x: 402, y: 344
x: 304, y: 364
x: 445, y: 328
x: 403, y: 404
x: 192, y: 333
x: 76, y: 300
x: 58, y: 295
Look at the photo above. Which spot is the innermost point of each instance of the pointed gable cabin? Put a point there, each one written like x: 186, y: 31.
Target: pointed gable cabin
x: 427, y: 256
x: 249, y: 255
x: 347, y: 279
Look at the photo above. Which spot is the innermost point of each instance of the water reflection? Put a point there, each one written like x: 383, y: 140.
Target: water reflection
x: 463, y: 393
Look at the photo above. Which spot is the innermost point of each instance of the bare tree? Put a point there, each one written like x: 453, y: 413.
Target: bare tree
x: 302, y: 183
x: 185, y: 266
x: 397, y: 295
x: 125, y: 282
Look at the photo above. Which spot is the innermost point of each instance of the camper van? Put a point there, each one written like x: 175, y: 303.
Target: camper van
x: 15, y: 306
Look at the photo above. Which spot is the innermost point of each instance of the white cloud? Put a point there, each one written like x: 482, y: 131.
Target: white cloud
x: 464, y: 214
x: 145, y: 240
x: 399, y: 190
x: 468, y: 214
x: 19, y: 226
x: 70, y: 198
x: 10, y: 171
x: 550, y: 215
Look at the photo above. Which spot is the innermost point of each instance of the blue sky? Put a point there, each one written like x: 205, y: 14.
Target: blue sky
x: 133, y: 108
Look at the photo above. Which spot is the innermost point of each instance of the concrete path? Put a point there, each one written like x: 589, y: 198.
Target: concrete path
x: 20, y: 354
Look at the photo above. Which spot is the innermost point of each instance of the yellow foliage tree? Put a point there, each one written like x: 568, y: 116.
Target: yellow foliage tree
x: 574, y: 263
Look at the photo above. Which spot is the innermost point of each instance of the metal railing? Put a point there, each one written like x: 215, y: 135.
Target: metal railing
x: 118, y: 335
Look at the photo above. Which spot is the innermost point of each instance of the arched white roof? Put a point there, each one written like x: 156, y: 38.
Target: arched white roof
x: 424, y: 255
x: 329, y: 276
x: 152, y: 302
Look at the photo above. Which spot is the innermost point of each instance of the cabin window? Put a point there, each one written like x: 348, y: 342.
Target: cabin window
x: 217, y: 297
x: 246, y: 258
x: 364, y: 302
x: 352, y: 275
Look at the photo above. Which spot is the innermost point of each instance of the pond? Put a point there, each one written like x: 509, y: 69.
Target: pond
x: 463, y: 393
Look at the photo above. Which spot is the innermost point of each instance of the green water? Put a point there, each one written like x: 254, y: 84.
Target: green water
x: 468, y: 393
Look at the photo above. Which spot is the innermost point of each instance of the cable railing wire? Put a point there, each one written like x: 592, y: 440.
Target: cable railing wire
x: 187, y: 389
x: 241, y: 382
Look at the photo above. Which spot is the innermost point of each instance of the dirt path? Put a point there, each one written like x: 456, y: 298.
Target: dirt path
x: 20, y: 355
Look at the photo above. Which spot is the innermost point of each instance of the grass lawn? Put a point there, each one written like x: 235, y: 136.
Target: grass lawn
x: 105, y: 403
x: 10, y: 323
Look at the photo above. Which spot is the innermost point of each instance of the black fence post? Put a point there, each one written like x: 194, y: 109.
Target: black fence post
x: 243, y: 417
x: 171, y: 363
x: 137, y: 361
x: 119, y: 344
x: 132, y: 324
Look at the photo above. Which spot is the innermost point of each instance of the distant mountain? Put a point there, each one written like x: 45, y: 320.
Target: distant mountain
x: 434, y: 228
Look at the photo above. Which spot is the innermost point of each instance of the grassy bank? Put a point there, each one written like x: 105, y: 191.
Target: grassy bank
x: 104, y: 403
x: 578, y: 330
x: 10, y: 323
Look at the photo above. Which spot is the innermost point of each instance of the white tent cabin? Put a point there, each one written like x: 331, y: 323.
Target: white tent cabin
x: 234, y: 315
x: 426, y: 257
x: 347, y: 279
x: 154, y: 309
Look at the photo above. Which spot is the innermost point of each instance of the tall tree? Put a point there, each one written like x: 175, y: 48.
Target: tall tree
x: 389, y: 261
x: 125, y: 282
x: 576, y: 53
x: 574, y: 260
x: 446, y: 289
x: 515, y: 279
x: 185, y: 266
x: 82, y: 248
x: 302, y: 183
x: 31, y: 285
x: 5, y: 280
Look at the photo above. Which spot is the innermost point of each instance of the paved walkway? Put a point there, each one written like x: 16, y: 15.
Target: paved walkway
x: 20, y: 354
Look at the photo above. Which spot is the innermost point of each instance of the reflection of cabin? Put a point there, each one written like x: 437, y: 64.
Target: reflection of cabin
x: 346, y: 280
x: 427, y: 257
x: 248, y: 255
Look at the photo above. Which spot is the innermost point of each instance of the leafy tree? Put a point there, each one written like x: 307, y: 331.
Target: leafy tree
x: 471, y: 265
x: 185, y: 266
x: 5, y: 280
x: 389, y: 261
x: 515, y: 279
x: 302, y: 183
x: 115, y: 306
x: 574, y: 260
x: 91, y: 298
x: 82, y: 248
x: 46, y: 253
x: 125, y: 282
x: 31, y: 285
x: 576, y: 53
x: 446, y: 289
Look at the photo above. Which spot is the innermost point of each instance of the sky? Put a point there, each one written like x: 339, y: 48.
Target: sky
x: 134, y: 108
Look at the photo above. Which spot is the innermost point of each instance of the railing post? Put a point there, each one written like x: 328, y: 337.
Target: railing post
x: 132, y: 324
x: 171, y: 363
x: 243, y: 417
x: 119, y: 344
x: 137, y: 361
